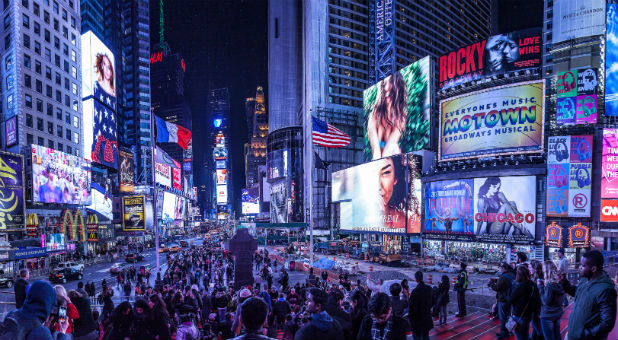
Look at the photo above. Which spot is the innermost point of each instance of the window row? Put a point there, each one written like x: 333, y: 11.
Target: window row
x: 50, y: 144
x: 60, y: 131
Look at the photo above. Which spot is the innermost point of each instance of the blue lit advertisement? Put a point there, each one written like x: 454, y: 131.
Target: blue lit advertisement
x: 449, y: 209
x: 611, y: 61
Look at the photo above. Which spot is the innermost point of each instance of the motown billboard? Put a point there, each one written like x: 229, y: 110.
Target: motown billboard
x: 498, y: 54
x: 497, y: 121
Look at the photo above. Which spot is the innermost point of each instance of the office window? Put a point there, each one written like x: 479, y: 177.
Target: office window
x: 50, y: 128
x: 65, y: 49
x: 66, y: 66
x: 56, y: 8
x: 27, y: 62
x: 48, y: 72
x: 59, y: 130
x: 26, y: 41
x: 50, y: 109
x: 37, y: 28
x: 25, y: 20
x: 46, y: 17
x: 9, y: 82
x: 50, y: 143
x: 39, y: 105
x: 56, y: 42
x: 58, y: 79
x: 36, y: 9
x: 59, y: 96
x: 24, y: 3
x: 65, y: 16
x: 37, y: 66
x: 27, y: 81
x: 73, y: 72
x: 7, y: 41
x: 75, y: 137
x: 28, y: 100
x: 29, y: 120
x: 47, y: 35
x: 56, y: 25
x: 7, y: 21
x: 59, y: 114
x: 48, y: 91
x: 75, y: 105
x: 73, y: 40
x: 66, y: 84
x: 41, y: 140
x: 74, y: 88
x: 39, y: 86
x: 57, y: 60
x: 39, y: 124
x: 67, y: 100
x: 37, y: 47
x: 67, y: 117
x: 74, y: 56
x: 69, y: 149
x: 65, y: 32
x: 47, y: 54
x: 60, y: 147
x: 72, y: 22
x: 68, y: 134
x: 29, y: 139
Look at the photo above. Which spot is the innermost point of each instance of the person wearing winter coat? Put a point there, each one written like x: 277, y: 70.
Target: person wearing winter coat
x: 443, y: 298
x: 522, y: 301
x: 420, y: 308
x: 552, y: 296
x: 120, y: 323
x: 594, y: 310
x: 321, y: 324
x: 253, y: 313
x: 503, y: 287
x: 333, y: 308
x: 85, y: 327
x: 359, y: 302
x: 160, y: 318
x: 281, y: 308
x: 187, y: 330
x: 398, y: 303
x: 381, y: 323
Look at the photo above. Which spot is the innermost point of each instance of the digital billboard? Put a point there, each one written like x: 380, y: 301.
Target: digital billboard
x: 220, y: 164
x: 569, y: 170
x: 169, y: 206
x: 180, y: 210
x: 126, y: 172
x: 221, y: 176
x: 609, y: 210
x: 10, y: 128
x: 505, y: 209
x: 55, y: 242
x: 221, y: 194
x: 163, y: 168
x: 611, y: 61
x: 133, y: 213
x: 219, y: 153
x: 574, y: 19
x: 176, y: 179
x: 98, y: 75
x: 576, y: 92
x: 250, y: 204
x: 279, y: 202
x: 609, y: 164
x: 378, y: 196
x: 554, y: 236
x: 58, y: 177
x: 501, y: 120
x: 449, y: 209
x: 397, y: 112
x: 495, y: 55
x: 12, y: 191
x: 579, y: 236
x: 101, y: 195
x: 100, y: 134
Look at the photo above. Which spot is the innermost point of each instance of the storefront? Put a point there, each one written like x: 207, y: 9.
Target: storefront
x: 465, y: 251
x: 572, y: 240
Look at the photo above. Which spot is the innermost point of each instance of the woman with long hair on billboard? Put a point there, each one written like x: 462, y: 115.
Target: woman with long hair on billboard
x: 105, y: 77
x: 391, y: 193
x: 493, y: 202
x: 387, y: 121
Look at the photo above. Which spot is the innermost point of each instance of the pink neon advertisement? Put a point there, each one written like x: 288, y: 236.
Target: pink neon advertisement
x: 609, y: 164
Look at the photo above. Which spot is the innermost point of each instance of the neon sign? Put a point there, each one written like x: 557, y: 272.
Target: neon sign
x: 156, y: 57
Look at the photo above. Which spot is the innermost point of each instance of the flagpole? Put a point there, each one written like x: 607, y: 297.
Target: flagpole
x: 308, y: 122
x: 153, y: 129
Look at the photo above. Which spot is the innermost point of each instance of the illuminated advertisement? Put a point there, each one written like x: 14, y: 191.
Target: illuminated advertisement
x: 10, y: 127
x: 219, y: 153
x: 569, y: 169
x: 12, y: 191
x: 609, y: 210
x: 579, y: 236
x: 98, y: 70
x: 163, y: 168
x: 179, y: 212
x: 176, y: 179
x: 397, y: 112
x: 505, y: 209
x: 221, y: 176
x: 495, y: 55
x: 374, y: 197
x: 449, y: 209
x: 574, y: 19
x: 609, y: 164
x: 611, y: 61
x: 126, y: 172
x: 220, y: 140
x: 99, y: 140
x: 278, y: 202
x: 576, y: 92
x: 220, y: 165
x: 250, y: 204
x: 169, y: 206
x: 55, y: 242
x: 553, y: 236
x: 101, y: 194
x: 133, y: 213
x: 58, y: 177
x: 500, y: 120
x: 221, y: 194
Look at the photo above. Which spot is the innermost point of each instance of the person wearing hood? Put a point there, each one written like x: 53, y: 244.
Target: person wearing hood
x: 34, y: 319
x: 142, y: 320
x: 552, y: 295
x: 594, y: 310
x: 84, y: 327
x: 381, y: 323
x: 333, y: 308
x: 321, y: 325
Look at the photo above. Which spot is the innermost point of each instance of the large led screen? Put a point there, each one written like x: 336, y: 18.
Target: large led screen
x: 163, y: 168
x: 611, y: 61
x: 279, y: 202
x: 250, y: 204
x: 569, y: 170
x: 101, y: 194
x: 98, y: 70
x: 576, y: 96
x: 221, y: 194
x: 100, y: 134
x: 176, y: 178
x: 501, y: 120
x: 397, y: 112
x: 55, y: 242
x: 58, y: 177
x: 379, y: 196
x: 133, y: 213
x: 126, y: 172
x: 609, y: 164
x: 495, y: 55
x: 221, y: 176
x: 12, y: 191
x: 574, y: 19
x: 449, y: 209
x: 169, y: 206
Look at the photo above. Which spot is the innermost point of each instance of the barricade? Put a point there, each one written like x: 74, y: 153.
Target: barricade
x: 430, y: 279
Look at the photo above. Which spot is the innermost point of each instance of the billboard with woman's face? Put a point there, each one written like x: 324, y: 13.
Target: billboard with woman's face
x: 397, y: 112
x: 98, y: 70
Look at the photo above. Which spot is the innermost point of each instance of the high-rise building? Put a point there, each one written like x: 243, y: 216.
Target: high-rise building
x: 123, y: 25
x: 257, y: 123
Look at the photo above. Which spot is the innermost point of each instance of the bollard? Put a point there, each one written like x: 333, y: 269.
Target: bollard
x: 454, y: 280
x: 370, y: 268
x: 334, y: 259
x: 347, y: 256
x: 430, y: 279
x: 366, y: 258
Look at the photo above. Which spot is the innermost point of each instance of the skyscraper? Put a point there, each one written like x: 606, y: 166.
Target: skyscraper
x: 257, y: 123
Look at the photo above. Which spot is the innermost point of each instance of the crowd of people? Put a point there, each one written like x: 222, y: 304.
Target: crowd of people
x: 194, y: 299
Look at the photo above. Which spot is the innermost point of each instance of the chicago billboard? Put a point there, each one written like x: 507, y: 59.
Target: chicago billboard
x: 397, y: 112
x: 495, y: 55
x: 379, y: 196
x: 577, y: 18
x: 497, y: 121
x: 611, y: 61
x: 569, y: 170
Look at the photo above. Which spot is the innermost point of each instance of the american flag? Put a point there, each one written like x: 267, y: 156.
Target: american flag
x: 327, y: 135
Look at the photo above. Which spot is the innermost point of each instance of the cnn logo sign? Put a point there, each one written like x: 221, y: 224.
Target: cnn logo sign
x: 609, y: 210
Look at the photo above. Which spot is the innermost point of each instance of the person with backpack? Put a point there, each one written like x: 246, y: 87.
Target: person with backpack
x: 503, y: 287
x: 21, y: 287
x: 460, y: 288
x: 34, y: 319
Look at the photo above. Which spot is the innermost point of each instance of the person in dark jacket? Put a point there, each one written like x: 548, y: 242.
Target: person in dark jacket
x: 460, y: 288
x: 333, y: 308
x: 443, y: 298
x: 420, y: 308
x: 522, y: 301
x: 85, y: 327
x: 594, y: 310
x: 281, y: 308
x: 552, y: 296
x: 160, y: 318
x: 321, y: 324
x: 142, y: 322
x: 120, y: 322
x: 381, y: 323
x: 21, y: 287
x: 398, y: 303
x: 359, y: 302
x: 503, y: 287
x: 253, y: 313
x: 108, y: 304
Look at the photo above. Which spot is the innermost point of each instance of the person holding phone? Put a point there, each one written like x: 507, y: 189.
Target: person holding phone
x: 66, y: 310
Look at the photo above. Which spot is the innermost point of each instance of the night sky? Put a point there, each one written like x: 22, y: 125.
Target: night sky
x: 224, y: 44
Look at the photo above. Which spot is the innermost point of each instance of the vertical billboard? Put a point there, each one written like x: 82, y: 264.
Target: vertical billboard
x: 101, y: 186
x: 577, y: 18
x: 10, y: 128
x: 501, y: 120
x: 133, y: 213
x: 100, y: 134
x: 498, y: 54
x: 397, y: 112
x: 379, y: 196
x: 278, y: 202
x: 168, y: 210
x: 98, y: 75
x: 382, y: 36
x: 576, y: 96
x: 221, y: 194
x: 163, y: 167
x: 611, y: 61
x: 569, y: 169
x: 609, y: 164
x: 176, y: 178
x: 126, y: 171
x: 12, y: 206
x: 449, y: 209
x: 58, y: 177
